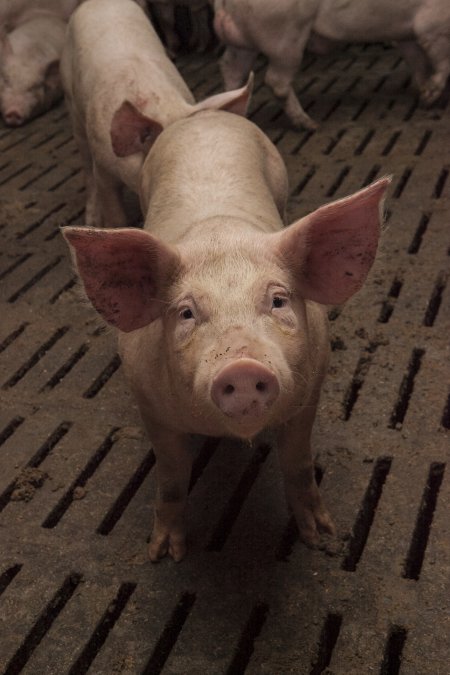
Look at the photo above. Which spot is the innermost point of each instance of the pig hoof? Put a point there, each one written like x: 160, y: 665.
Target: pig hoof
x: 313, y: 522
x: 430, y: 93
x: 304, y: 123
x: 173, y: 545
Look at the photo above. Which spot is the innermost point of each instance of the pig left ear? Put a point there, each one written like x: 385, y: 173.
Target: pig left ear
x: 124, y: 273
x: 52, y: 77
x: 5, y: 44
x: 331, y: 250
x: 131, y: 131
x: 236, y: 101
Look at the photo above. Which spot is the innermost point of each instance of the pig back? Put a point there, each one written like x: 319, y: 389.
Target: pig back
x: 126, y: 59
x: 211, y: 165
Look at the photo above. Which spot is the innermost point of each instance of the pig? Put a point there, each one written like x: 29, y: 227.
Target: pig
x: 200, y: 37
x: 14, y: 12
x: 282, y: 30
x: 220, y: 312
x: 117, y: 83
x: 29, y: 68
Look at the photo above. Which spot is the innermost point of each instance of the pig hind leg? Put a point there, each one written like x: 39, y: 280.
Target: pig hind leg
x: 284, y: 63
x: 417, y: 61
x: 438, y: 52
x: 279, y: 77
x: 235, y: 65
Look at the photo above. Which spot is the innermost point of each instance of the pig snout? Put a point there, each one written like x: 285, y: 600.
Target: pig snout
x: 244, y: 389
x: 13, y: 118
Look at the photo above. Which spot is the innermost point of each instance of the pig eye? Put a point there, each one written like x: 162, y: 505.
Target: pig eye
x: 278, y: 301
x: 186, y: 314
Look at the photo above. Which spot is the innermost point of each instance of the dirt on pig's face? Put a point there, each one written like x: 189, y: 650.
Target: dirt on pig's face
x: 237, y: 346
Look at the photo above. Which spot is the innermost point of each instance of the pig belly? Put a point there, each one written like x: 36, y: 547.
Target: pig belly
x: 366, y: 20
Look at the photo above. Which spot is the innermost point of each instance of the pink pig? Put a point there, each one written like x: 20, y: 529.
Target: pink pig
x: 282, y: 30
x: 122, y: 90
x: 29, y: 67
x: 220, y: 311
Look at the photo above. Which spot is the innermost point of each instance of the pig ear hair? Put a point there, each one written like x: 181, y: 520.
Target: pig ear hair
x: 236, y: 101
x: 131, y: 131
x: 124, y: 273
x: 331, y: 250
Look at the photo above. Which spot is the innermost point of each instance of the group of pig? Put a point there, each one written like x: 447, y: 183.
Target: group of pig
x: 32, y: 34
x: 220, y: 310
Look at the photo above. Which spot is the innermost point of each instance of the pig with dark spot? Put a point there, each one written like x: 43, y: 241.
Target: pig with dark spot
x: 122, y: 90
x: 220, y: 312
x: 282, y: 30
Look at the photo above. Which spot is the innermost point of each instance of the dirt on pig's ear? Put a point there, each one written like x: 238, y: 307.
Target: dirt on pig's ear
x: 125, y: 273
x: 331, y: 250
x: 131, y: 131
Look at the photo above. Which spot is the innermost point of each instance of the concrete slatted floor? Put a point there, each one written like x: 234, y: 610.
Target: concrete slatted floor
x: 77, y: 593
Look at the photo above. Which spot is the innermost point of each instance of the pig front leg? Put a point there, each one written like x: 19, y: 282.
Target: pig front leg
x: 235, y: 65
x: 297, y: 466
x: 173, y: 471
x: 104, y: 206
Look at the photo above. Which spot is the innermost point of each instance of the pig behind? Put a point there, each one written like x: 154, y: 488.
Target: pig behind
x: 29, y: 68
x: 121, y: 90
x: 282, y: 31
x: 220, y: 311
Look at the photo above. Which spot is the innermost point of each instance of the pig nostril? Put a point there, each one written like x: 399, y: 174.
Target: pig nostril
x: 261, y: 386
x: 229, y: 389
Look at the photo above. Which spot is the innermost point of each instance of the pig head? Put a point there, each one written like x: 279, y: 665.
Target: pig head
x: 221, y: 317
x: 29, y: 69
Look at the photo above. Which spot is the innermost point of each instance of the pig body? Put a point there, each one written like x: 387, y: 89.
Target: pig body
x: 284, y: 29
x: 14, y: 12
x: 29, y: 68
x: 121, y: 90
x: 220, y: 312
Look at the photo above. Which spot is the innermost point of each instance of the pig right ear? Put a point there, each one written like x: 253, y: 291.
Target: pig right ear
x: 124, y: 273
x: 236, y: 101
x: 131, y: 131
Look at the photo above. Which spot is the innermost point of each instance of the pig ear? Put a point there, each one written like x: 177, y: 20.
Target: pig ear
x: 124, y: 273
x: 131, y: 131
x: 236, y: 101
x: 5, y: 44
x: 52, y: 77
x: 331, y: 250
